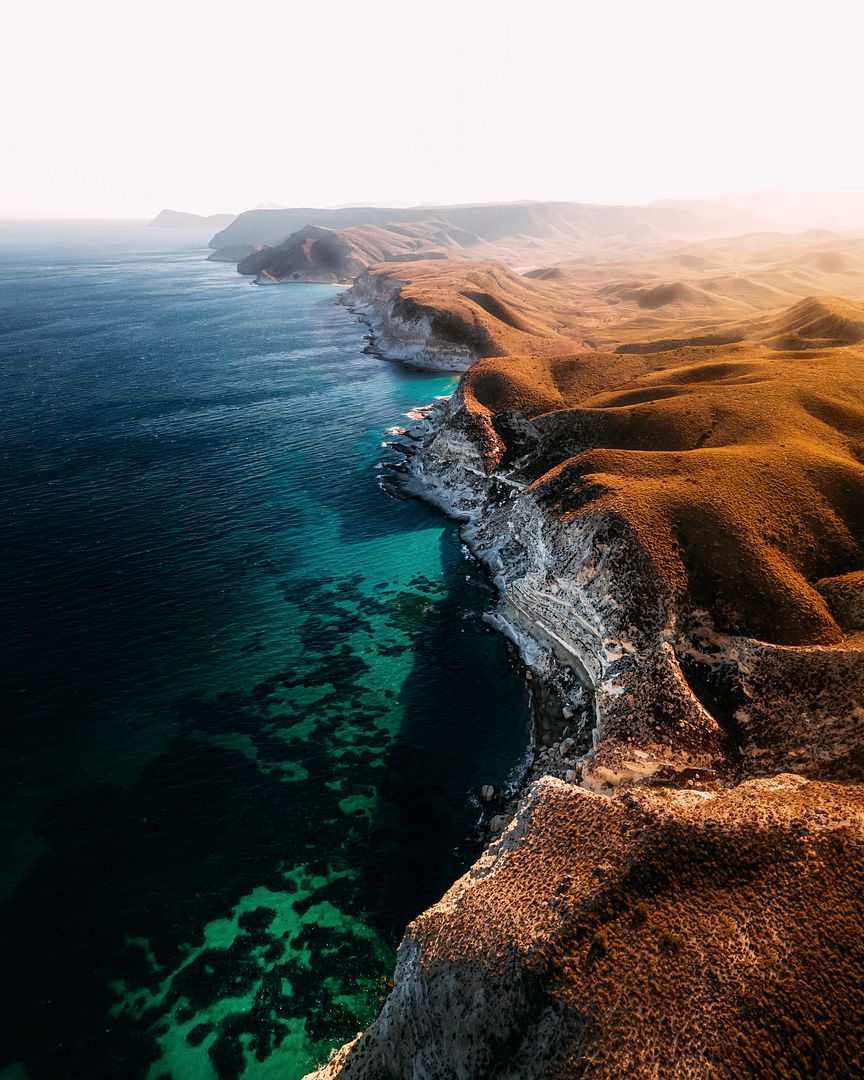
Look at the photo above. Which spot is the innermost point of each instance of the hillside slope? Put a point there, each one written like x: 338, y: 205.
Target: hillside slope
x: 633, y: 300
x: 180, y: 219
x: 660, y: 458
x: 523, y: 228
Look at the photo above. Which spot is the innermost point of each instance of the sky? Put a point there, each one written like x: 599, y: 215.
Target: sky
x: 117, y: 109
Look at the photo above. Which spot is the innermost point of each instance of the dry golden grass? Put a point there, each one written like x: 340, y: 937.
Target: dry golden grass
x: 637, y: 299
x: 670, y: 933
x: 739, y: 465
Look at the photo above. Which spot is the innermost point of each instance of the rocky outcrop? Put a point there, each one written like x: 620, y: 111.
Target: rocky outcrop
x: 676, y: 933
x: 408, y: 332
x: 677, y: 541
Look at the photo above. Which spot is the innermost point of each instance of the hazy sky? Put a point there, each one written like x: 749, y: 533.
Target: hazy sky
x: 120, y: 108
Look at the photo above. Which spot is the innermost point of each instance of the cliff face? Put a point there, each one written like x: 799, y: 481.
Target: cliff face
x: 431, y: 309
x: 663, y: 933
x: 410, y: 332
x: 677, y: 536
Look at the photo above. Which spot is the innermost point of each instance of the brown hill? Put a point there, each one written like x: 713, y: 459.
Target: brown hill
x: 734, y: 449
x: 626, y: 300
x: 818, y: 322
x: 664, y: 933
x: 488, y: 305
x: 316, y: 253
x: 739, y: 468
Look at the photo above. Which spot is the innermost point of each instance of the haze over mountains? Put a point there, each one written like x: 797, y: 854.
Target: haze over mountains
x: 658, y: 449
x: 637, y: 300
x: 515, y: 232
x: 335, y: 244
x: 179, y: 219
x: 788, y: 210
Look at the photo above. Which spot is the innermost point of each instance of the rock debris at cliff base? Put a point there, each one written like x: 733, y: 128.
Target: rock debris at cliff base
x: 674, y: 514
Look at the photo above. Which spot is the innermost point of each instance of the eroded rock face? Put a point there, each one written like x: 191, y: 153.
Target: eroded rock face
x: 406, y: 332
x: 604, y: 567
x: 681, y: 533
x: 680, y: 933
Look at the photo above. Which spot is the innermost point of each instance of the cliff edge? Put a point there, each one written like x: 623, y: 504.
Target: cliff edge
x: 673, y: 515
x: 661, y: 933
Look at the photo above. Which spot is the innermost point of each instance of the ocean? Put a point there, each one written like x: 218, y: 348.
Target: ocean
x: 248, y: 697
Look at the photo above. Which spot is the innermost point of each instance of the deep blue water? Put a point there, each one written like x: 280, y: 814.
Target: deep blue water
x: 247, y: 696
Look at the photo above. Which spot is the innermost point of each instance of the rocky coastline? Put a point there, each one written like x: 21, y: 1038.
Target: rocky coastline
x: 404, y: 332
x: 691, y: 813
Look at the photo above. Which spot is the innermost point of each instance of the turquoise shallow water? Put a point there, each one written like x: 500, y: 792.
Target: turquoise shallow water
x: 248, y: 696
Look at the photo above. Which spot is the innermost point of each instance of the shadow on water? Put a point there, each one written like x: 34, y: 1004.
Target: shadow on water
x: 115, y: 909
x: 230, y: 906
x: 465, y: 724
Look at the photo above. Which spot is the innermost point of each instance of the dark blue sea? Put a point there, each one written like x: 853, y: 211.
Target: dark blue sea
x: 248, y: 697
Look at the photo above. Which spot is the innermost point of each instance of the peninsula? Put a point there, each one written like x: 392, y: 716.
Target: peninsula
x: 657, y: 448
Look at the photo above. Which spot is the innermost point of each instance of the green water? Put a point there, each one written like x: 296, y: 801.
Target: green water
x: 250, y: 697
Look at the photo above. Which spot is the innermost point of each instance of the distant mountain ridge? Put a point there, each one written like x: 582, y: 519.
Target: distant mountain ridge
x: 490, y: 221
x: 336, y: 244
x: 275, y: 245
x: 179, y: 219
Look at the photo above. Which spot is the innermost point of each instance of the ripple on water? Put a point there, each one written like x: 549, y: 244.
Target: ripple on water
x: 248, y: 692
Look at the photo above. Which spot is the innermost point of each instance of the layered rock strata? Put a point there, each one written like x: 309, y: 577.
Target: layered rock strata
x: 408, y: 332
x: 678, y: 541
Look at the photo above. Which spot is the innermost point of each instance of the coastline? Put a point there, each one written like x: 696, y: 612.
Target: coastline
x: 405, y: 337
x: 557, y: 703
x: 646, y: 742
x: 562, y: 712
x: 455, y: 480
x: 561, y: 700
